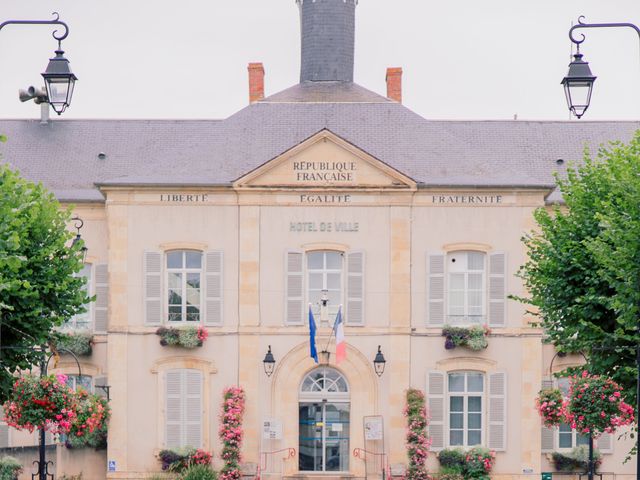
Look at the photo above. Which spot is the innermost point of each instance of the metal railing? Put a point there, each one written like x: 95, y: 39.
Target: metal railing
x: 385, y: 469
x: 265, y: 456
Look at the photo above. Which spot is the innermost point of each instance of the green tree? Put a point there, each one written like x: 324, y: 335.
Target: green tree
x: 38, y: 289
x: 583, y: 272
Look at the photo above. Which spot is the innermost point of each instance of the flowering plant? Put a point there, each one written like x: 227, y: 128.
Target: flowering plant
x: 551, y: 406
x: 417, y: 441
x: 476, y: 463
x: 186, y: 337
x: 178, y: 461
x: 89, y: 428
x: 41, y: 403
x: 231, y: 432
x: 473, y: 338
x: 594, y: 405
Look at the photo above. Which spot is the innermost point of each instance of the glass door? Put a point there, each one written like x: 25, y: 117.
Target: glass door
x: 324, y: 437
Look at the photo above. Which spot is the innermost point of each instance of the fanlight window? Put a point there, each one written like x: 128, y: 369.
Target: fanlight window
x: 324, y: 382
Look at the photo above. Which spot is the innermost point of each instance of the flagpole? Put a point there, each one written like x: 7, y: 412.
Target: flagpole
x: 333, y: 330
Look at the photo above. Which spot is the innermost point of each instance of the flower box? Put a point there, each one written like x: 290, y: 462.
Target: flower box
x: 185, y: 337
x: 474, y: 338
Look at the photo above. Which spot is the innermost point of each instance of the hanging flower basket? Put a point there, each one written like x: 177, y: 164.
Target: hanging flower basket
x: 474, y: 338
x: 89, y: 427
x: 185, y: 337
x: 594, y: 405
x: 41, y: 403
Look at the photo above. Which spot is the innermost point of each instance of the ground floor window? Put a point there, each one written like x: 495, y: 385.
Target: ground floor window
x: 466, y: 392
x: 183, y: 416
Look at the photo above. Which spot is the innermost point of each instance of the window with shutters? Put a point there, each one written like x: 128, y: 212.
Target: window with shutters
x: 466, y: 404
x: 183, y: 408
x: 184, y: 286
x: 466, y: 287
x: 83, y: 321
x: 333, y: 275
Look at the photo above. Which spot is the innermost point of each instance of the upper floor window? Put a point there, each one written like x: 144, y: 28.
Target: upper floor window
x: 184, y: 279
x: 466, y: 394
x: 183, y: 286
x: 334, y: 275
x: 324, y: 278
x: 466, y: 287
x: 83, y: 321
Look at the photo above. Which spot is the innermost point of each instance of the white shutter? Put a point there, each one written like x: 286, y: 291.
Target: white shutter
x: 173, y: 408
x: 436, y: 407
x: 548, y: 435
x: 193, y: 409
x: 497, y: 424
x: 100, y: 324
x: 213, y: 288
x: 4, y: 435
x: 604, y: 443
x: 355, y: 288
x: 435, y: 289
x: 294, y: 288
x: 497, y: 289
x: 152, y: 288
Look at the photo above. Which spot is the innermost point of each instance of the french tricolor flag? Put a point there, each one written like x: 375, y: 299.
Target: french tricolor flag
x: 341, y: 345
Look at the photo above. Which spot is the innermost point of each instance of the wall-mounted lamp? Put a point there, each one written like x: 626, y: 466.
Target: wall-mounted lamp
x: 379, y: 362
x: 78, y: 225
x: 269, y: 362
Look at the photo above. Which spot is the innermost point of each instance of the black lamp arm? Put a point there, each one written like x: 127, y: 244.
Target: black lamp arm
x: 55, y: 21
x: 582, y: 24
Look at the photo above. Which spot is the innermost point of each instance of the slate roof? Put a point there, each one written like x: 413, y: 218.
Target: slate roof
x: 63, y: 154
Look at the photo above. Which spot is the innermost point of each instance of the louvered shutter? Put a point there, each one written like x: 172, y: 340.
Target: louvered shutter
x: 604, y: 443
x: 436, y: 407
x: 152, y: 288
x: 355, y: 288
x: 213, y: 288
x: 294, y: 286
x: 497, y: 289
x: 100, y: 324
x: 435, y: 289
x: 193, y: 409
x: 173, y: 409
x: 497, y: 438
x: 547, y: 434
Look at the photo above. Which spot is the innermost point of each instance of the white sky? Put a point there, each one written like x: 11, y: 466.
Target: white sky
x: 462, y: 59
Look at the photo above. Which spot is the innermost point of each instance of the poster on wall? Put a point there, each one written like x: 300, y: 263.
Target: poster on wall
x: 373, y: 428
x: 271, y: 429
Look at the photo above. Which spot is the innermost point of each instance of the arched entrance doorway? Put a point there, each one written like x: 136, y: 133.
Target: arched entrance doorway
x: 324, y: 420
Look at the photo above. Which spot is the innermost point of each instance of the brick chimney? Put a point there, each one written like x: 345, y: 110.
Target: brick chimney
x: 256, y: 82
x: 394, y: 83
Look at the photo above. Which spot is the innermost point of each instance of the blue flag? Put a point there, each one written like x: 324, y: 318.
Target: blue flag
x: 312, y: 336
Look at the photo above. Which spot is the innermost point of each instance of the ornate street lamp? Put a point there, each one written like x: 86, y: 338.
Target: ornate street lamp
x: 379, y: 362
x: 578, y: 84
x: 269, y: 362
x: 58, y: 78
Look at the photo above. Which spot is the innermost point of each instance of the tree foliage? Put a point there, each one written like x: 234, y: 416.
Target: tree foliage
x: 583, y: 272
x: 38, y: 289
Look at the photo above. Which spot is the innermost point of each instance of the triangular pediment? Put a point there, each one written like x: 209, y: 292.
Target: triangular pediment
x: 325, y: 161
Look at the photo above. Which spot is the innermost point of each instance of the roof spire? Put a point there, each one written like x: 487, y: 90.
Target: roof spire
x: 328, y: 38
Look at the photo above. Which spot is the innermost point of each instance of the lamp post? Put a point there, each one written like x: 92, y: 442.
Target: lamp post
x: 58, y: 78
x: 578, y: 84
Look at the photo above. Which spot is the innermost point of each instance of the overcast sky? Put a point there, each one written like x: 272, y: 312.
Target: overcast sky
x: 462, y: 59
